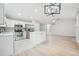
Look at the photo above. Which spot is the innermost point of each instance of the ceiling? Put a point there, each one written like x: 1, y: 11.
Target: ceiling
x: 35, y: 11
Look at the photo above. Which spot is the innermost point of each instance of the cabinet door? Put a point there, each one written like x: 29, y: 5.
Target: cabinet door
x: 6, y: 45
x: 9, y: 45
x: 1, y: 14
x: 2, y: 52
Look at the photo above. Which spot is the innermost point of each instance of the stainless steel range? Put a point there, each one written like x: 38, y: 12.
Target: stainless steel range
x: 18, y: 29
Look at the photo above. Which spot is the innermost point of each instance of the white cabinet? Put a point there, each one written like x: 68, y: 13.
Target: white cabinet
x: 1, y: 14
x: 37, y: 37
x: 6, y: 45
x: 12, y: 22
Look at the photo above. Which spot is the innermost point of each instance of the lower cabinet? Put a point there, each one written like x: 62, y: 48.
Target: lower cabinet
x: 6, y: 45
x: 37, y: 37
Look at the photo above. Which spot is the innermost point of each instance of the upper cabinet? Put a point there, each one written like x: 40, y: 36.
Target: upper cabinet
x: 1, y: 14
x: 12, y: 22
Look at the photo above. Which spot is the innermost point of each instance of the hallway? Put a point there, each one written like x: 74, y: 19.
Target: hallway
x: 54, y: 46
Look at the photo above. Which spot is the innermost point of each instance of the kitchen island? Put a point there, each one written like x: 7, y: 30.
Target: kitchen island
x: 35, y: 39
x: 8, y: 45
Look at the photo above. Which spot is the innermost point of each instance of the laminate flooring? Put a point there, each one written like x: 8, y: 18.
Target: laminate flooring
x: 54, y: 46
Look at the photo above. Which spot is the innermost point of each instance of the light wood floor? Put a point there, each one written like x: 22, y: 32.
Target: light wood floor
x: 54, y: 46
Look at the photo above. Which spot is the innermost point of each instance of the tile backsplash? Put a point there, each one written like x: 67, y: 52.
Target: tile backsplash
x: 2, y: 29
x: 9, y: 29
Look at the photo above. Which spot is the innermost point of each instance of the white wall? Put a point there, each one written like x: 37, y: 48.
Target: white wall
x: 42, y: 27
x: 65, y: 27
x: 65, y: 24
x: 77, y: 28
x: 36, y: 26
x: 77, y: 19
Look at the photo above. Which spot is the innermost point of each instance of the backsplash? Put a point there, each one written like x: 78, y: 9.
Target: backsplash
x: 9, y: 29
x: 2, y: 29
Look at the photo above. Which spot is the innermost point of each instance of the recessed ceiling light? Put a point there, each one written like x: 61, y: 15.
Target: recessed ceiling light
x: 40, y: 13
x: 31, y: 17
x: 53, y: 21
x: 36, y: 10
x: 19, y: 14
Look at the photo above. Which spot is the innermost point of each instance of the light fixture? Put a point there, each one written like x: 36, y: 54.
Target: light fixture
x: 35, y: 10
x: 31, y: 17
x: 19, y: 14
x: 53, y: 21
x: 53, y: 8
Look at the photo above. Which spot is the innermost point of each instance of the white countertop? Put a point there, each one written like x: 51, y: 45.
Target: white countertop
x: 6, y: 33
x: 11, y: 33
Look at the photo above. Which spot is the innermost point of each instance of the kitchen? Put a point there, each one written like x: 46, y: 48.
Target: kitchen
x: 17, y: 35
x: 44, y: 29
